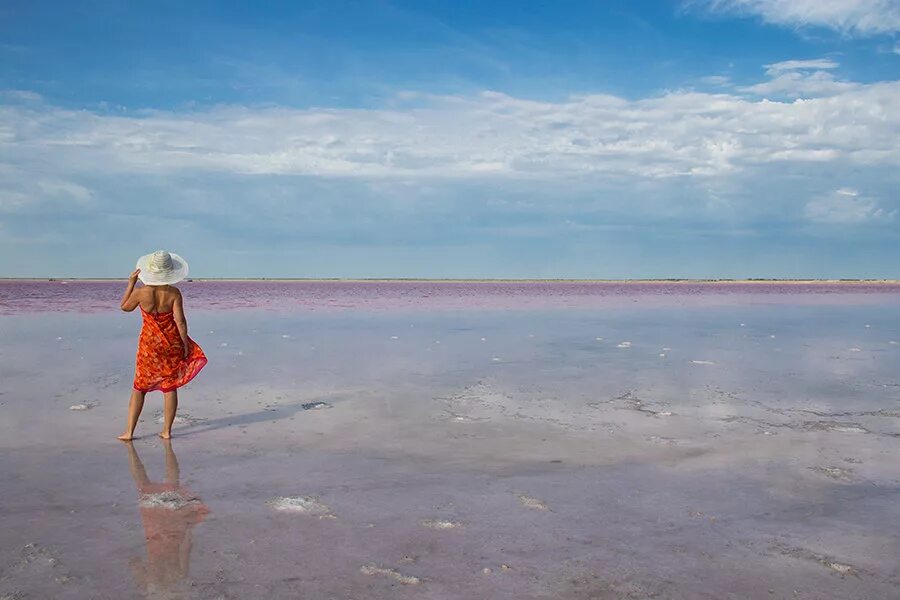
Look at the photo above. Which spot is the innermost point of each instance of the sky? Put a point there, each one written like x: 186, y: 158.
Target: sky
x: 452, y: 139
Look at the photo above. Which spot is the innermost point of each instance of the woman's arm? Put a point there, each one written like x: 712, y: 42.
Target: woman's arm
x: 181, y: 323
x: 130, y: 301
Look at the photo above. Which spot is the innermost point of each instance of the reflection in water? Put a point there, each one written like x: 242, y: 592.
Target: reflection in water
x: 168, y: 512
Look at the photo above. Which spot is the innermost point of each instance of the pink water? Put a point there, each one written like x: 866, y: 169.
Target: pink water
x: 17, y: 296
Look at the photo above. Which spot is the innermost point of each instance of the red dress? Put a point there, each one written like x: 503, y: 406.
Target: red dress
x: 160, y: 363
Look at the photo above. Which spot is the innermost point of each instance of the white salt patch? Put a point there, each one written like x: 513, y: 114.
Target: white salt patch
x: 182, y: 419
x: 666, y: 349
x: 170, y: 500
x: 285, y: 336
x: 848, y: 429
x: 834, y: 472
x: 315, y: 406
x: 840, y: 567
x: 240, y: 352
x: 223, y: 344
x: 437, y: 341
x: 624, y: 345
x: 893, y: 342
x: 440, y: 524
x: 394, y: 337
x: 59, y: 338
x: 703, y: 362
x: 868, y: 326
x: 855, y: 350
x: 530, y: 335
x: 305, y: 505
x: 486, y: 571
x: 772, y: 336
x: 743, y: 325
x: 664, y: 413
x: 534, y: 503
x: 662, y: 354
x: 376, y: 570
x: 81, y: 407
x: 483, y: 339
x: 599, y: 339
x: 496, y: 359
x: 662, y: 440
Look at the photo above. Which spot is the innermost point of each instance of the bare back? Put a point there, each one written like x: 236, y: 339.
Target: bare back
x: 159, y: 298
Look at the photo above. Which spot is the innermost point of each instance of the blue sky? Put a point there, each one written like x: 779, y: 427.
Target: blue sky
x: 701, y: 138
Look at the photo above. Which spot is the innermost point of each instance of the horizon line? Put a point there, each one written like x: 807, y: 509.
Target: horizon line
x: 489, y: 279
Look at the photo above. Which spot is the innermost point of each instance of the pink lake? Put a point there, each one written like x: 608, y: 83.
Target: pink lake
x: 21, y: 296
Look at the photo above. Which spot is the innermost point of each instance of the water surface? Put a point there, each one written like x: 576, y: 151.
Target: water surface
x: 575, y: 440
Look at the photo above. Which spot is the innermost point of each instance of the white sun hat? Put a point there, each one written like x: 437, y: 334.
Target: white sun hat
x: 161, y: 268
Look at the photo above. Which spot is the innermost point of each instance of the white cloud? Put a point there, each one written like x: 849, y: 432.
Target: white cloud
x: 800, y: 65
x: 490, y: 134
x: 800, y: 78
x: 845, y: 206
x: 795, y: 84
x: 856, y: 17
x: 847, y: 192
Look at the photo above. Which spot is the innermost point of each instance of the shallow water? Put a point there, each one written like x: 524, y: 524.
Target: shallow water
x: 745, y: 448
x: 27, y: 296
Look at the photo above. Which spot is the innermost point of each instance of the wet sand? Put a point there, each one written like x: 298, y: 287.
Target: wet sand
x: 738, y: 451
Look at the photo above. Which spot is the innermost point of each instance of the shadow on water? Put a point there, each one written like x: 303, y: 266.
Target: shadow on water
x: 169, y: 512
x: 260, y: 416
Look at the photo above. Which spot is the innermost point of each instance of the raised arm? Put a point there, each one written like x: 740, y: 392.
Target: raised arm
x: 130, y: 300
x: 181, y: 323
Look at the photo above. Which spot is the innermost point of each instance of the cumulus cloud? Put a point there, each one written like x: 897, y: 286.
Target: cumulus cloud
x: 855, y: 17
x: 800, y: 78
x: 490, y: 134
x: 845, y: 206
x: 796, y: 84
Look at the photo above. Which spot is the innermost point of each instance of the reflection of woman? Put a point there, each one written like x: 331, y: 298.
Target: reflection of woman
x: 169, y: 512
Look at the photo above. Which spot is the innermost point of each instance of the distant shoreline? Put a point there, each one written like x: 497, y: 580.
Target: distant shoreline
x: 424, y: 280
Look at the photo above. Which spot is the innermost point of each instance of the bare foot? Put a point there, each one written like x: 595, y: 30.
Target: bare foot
x: 125, y: 437
x: 166, y: 435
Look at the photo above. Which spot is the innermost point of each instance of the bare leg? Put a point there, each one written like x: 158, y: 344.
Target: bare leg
x: 170, y: 405
x: 135, y: 406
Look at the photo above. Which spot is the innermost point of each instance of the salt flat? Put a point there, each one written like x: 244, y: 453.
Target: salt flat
x: 657, y: 446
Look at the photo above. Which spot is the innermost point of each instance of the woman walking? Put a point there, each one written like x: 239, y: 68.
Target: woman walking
x: 166, y: 357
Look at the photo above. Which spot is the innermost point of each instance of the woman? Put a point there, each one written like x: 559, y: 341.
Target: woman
x: 166, y: 357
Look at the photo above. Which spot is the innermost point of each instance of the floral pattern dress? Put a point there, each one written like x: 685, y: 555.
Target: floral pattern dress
x: 160, y: 363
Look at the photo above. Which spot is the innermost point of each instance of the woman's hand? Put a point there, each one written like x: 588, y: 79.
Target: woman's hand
x: 186, y: 351
x: 134, y: 276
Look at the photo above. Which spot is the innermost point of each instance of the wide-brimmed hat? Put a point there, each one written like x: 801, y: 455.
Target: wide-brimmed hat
x: 161, y: 268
